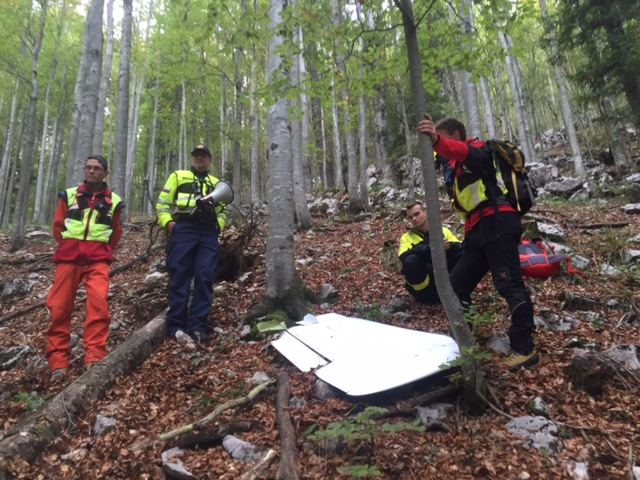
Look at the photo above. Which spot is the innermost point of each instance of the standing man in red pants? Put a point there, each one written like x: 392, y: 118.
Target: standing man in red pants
x: 87, y: 227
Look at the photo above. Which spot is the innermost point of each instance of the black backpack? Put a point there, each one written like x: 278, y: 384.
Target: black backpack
x: 521, y: 193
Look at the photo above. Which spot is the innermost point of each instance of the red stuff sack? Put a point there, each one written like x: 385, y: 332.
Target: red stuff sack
x: 539, y: 261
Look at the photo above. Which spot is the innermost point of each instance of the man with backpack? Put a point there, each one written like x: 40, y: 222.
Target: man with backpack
x: 415, y: 255
x: 492, y: 230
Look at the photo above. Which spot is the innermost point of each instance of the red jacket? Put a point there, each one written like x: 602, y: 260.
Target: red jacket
x: 473, y: 154
x: 82, y: 252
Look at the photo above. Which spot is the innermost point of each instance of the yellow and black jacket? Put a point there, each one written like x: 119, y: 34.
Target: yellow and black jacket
x: 414, y: 242
x: 473, y: 180
x: 177, y: 200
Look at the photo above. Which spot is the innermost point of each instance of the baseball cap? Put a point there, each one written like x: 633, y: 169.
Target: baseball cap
x: 201, y: 149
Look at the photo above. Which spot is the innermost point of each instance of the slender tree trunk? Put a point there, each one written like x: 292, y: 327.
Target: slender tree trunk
x: 362, y: 124
x: 565, y: 106
x: 105, y: 84
x: 119, y: 168
x: 355, y: 205
x: 469, y: 89
x: 224, y: 148
x: 152, y: 166
x: 22, y: 203
x: 488, y: 107
x: 317, y: 113
x: 72, y: 158
x: 381, y: 140
x: 132, y: 141
x: 237, y: 129
x: 299, y: 191
x: 182, y: 141
x: 48, y: 177
x: 91, y: 90
x: 41, y: 185
x: 516, y: 91
x: 6, y: 215
x: 474, y: 381
x: 309, y: 170
x: 323, y: 134
x: 256, y: 191
x: 5, y: 164
x: 337, y: 145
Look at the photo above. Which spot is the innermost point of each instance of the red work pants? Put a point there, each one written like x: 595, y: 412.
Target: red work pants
x: 62, y: 295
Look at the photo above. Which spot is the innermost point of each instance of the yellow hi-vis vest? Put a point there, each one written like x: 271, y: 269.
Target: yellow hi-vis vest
x: 89, y: 222
x: 179, y: 195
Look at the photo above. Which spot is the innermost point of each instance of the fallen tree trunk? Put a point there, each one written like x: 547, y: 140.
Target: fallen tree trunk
x: 29, y: 438
x: 288, y: 468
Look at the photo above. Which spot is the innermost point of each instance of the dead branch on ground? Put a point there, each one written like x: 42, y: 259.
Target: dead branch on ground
x: 254, y: 472
x: 203, y: 421
x: 288, y: 469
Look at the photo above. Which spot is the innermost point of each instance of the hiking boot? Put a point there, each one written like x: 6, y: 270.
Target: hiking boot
x: 199, y: 337
x: 516, y: 360
x: 58, y: 374
x: 183, y: 339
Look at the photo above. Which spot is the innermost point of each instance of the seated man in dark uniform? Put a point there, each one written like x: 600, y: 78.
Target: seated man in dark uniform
x: 415, y: 255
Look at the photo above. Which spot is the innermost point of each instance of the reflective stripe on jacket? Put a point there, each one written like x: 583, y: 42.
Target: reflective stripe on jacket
x: 90, y: 216
x: 177, y: 200
x: 413, y: 237
x: 470, y: 166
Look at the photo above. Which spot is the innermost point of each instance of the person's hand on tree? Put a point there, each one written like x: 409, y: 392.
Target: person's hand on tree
x: 427, y: 127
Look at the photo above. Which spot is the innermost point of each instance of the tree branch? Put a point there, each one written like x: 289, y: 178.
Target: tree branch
x: 203, y: 421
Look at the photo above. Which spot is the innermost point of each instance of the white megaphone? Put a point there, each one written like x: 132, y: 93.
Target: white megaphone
x: 222, y: 193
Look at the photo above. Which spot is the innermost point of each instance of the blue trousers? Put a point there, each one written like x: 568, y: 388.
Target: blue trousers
x: 492, y: 245
x: 193, y: 252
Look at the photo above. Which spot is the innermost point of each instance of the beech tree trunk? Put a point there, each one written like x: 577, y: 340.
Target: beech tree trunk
x: 488, y: 107
x: 297, y: 145
x: 152, y: 165
x: 355, y: 205
x: 105, y: 84
x: 282, y: 281
x: 237, y: 128
x: 308, y: 163
x: 90, y: 90
x: 5, y: 163
x: 565, y: 106
x: 119, y: 164
x: 338, y: 174
x: 362, y: 131
x: 469, y: 89
x: 254, y: 120
x: 474, y: 381
x: 45, y: 166
x: 22, y: 201
x: 522, y: 114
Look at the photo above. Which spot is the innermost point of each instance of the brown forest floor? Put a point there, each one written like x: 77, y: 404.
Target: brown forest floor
x: 174, y: 386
